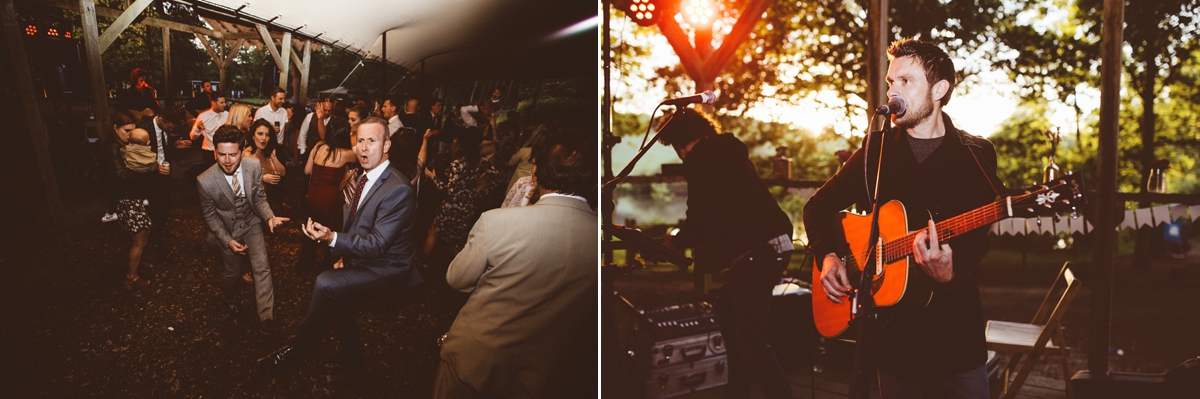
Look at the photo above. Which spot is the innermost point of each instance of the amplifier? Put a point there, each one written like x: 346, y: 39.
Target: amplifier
x: 686, y: 378
x: 670, y: 335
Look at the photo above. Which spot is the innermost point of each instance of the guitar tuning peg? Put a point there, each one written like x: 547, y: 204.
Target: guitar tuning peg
x: 1030, y: 210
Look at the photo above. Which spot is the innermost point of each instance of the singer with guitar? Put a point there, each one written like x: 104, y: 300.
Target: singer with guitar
x: 733, y: 222
x: 935, y: 349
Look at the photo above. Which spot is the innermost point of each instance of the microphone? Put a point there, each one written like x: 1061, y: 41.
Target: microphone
x: 706, y: 98
x: 894, y: 106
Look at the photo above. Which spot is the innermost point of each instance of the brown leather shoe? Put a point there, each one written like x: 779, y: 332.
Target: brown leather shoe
x: 247, y: 278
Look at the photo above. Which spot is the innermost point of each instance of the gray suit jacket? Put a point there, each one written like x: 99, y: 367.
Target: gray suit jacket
x: 532, y: 313
x: 380, y: 235
x: 216, y: 201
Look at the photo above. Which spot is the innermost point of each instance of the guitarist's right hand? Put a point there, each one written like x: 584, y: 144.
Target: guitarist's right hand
x: 833, y: 278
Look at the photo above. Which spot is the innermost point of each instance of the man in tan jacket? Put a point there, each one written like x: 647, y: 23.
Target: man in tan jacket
x: 532, y: 275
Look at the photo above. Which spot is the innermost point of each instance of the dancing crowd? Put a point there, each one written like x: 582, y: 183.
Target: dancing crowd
x: 397, y: 193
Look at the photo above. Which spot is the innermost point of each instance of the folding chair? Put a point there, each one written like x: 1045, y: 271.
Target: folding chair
x: 1029, y: 341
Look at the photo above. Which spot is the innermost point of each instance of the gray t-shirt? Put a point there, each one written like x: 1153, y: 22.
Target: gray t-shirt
x: 923, y: 147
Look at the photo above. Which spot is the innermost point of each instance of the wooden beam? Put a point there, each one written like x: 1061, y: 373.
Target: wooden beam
x: 296, y: 58
x: 692, y: 63
x: 286, y: 56
x: 305, y: 68
x: 33, y: 116
x: 1105, y: 236
x: 91, y: 45
x: 115, y: 13
x: 738, y: 35
x: 220, y: 61
x: 166, y: 38
x: 122, y: 22
x: 233, y: 51
x: 269, y: 44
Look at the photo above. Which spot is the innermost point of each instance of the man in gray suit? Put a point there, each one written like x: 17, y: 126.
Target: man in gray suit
x: 234, y: 205
x: 376, y: 249
x: 529, y: 327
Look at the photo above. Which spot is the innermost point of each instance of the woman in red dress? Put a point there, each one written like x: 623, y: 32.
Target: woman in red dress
x: 327, y: 168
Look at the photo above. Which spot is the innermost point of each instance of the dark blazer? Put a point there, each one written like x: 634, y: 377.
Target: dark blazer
x: 168, y: 147
x: 730, y: 210
x: 380, y: 235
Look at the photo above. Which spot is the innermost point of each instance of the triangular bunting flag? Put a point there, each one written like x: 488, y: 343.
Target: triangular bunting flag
x: 1128, y: 222
x: 1031, y: 227
x: 1144, y: 217
x: 1179, y: 212
x: 1162, y: 214
x: 1062, y: 225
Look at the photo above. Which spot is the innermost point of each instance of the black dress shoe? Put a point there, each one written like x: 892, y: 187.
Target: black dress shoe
x: 342, y: 367
x: 234, y: 310
x: 282, y: 359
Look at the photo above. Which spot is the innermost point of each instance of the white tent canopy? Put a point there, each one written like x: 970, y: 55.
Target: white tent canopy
x: 447, y: 36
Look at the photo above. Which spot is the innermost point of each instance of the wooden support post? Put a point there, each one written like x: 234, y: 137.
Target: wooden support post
x: 305, y: 68
x: 285, y: 48
x: 121, y: 22
x: 33, y: 116
x: 877, y: 45
x: 91, y: 45
x: 1100, y: 318
x: 166, y: 37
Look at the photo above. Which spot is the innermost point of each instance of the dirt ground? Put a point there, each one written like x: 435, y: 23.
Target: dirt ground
x: 69, y: 328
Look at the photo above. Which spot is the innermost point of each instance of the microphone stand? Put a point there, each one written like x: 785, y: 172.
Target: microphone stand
x: 864, y: 310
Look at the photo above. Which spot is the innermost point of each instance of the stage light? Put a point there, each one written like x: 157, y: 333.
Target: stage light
x: 67, y: 34
x: 30, y: 30
x: 51, y: 32
x: 699, y: 13
x: 647, y: 12
x: 644, y: 12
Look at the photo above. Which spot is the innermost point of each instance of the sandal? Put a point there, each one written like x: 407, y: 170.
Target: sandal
x: 131, y: 283
x: 247, y: 278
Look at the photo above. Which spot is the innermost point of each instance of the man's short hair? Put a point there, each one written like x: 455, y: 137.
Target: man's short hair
x: 213, y: 97
x: 227, y: 134
x: 938, y: 65
x: 379, y: 121
x: 276, y: 90
x: 686, y: 126
x: 396, y: 101
x: 172, y: 115
x: 566, y: 164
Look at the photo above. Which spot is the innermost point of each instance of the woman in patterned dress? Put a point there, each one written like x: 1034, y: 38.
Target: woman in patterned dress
x: 133, y: 189
x: 456, y: 216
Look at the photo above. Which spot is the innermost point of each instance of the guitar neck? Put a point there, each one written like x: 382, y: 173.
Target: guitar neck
x: 902, y: 247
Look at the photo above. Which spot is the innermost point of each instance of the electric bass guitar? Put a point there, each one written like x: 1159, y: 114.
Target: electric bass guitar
x: 899, y: 284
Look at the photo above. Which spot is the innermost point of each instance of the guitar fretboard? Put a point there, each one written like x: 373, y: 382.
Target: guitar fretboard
x: 902, y: 247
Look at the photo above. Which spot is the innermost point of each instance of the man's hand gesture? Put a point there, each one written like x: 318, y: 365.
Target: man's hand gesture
x: 275, y: 222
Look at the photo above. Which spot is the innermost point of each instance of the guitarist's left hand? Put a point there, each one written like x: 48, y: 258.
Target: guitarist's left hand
x: 936, y: 260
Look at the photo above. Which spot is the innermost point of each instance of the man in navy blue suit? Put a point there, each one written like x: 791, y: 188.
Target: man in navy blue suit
x: 376, y: 249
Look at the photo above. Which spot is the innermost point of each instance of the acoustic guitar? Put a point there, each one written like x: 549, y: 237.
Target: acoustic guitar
x: 899, y: 285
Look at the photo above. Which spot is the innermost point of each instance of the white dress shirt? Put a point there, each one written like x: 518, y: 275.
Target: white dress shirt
x: 466, y: 111
x: 394, y: 124
x: 302, y: 139
x: 273, y: 116
x: 212, y: 121
x: 162, y: 138
x: 372, y: 177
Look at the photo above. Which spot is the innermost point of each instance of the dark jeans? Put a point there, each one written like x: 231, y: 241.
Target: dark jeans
x: 336, y: 295
x: 744, y: 306
x: 971, y: 385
